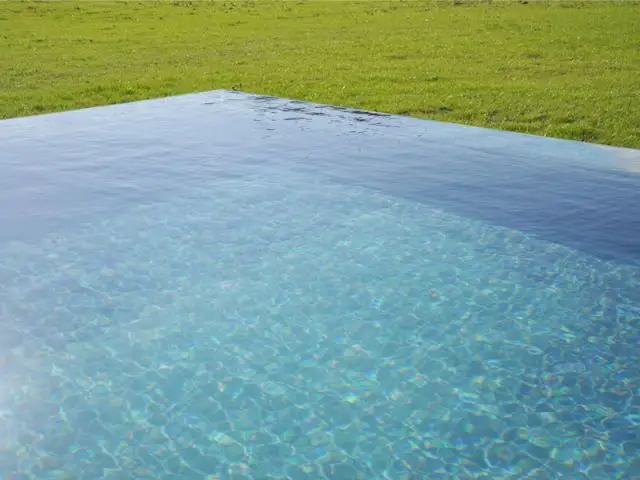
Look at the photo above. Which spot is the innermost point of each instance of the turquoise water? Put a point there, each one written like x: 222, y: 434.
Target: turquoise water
x: 284, y: 325
x: 273, y: 330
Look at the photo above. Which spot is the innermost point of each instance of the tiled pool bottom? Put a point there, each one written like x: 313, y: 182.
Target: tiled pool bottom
x: 286, y: 329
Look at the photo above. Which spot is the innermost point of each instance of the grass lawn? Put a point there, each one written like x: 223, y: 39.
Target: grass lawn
x: 563, y: 69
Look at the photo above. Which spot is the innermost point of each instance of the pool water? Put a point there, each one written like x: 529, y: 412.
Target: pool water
x: 226, y: 286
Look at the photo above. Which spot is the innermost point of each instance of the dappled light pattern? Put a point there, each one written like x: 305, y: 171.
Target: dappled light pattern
x: 285, y: 327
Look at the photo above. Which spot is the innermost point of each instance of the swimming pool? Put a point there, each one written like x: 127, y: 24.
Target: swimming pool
x: 230, y: 286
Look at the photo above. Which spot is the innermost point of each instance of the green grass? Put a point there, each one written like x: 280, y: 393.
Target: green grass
x: 561, y: 69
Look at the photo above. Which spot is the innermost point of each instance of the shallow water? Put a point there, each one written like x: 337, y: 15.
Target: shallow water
x: 198, y: 288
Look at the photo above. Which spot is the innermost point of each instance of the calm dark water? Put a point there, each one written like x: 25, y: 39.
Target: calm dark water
x: 58, y: 168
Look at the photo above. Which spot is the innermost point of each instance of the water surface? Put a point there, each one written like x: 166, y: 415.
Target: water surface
x: 230, y: 286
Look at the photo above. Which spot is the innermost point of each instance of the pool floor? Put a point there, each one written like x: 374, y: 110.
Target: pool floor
x: 283, y: 326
